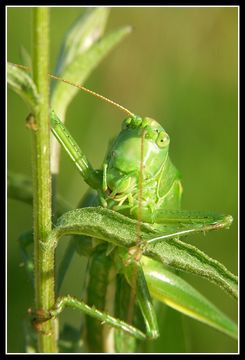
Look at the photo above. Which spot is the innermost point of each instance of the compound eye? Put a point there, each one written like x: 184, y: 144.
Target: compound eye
x: 162, y: 139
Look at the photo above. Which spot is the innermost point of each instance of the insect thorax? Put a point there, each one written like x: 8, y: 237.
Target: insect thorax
x: 161, y: 191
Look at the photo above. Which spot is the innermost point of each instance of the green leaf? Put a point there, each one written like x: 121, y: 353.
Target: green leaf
x: 170, y: 289
x: 88, y: 28
x: 21, y: 82
x: 185, y: 257
x: 120, y: 230
x: 165, y: 286
x: 81, y: 67
x: 100, y: 223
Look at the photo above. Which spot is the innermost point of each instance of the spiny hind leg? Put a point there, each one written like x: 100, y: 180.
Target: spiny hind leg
x: 134, y: 275
x: 74, y: 303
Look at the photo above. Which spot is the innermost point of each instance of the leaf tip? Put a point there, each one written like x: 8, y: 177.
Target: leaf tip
x: 228, y: 221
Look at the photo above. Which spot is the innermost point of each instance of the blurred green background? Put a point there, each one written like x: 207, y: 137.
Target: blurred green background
x: 179, y: 66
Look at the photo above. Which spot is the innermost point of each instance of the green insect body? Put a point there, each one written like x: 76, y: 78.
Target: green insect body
x: 161, y: 189
x: 137, y: 179
x: 161, y: 186
x: 137, y: 175
x: 119, y: 190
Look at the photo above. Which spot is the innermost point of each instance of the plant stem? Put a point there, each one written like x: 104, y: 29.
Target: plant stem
x: 43, y: 252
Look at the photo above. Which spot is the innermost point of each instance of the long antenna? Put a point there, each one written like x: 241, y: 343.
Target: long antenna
x: 82, y: 88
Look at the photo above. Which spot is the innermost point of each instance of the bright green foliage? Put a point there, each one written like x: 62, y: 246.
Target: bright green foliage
x: 145, y: 146
x: 21, y: 82
x: 134, y: 219
x: 82, y: 50
x: 110, y: 226
x: 192, y: 302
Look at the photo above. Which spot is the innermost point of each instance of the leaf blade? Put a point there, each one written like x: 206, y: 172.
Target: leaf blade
x: 83, y: 33
x: 120, y: 230
x: 172, y: 290
x: 81, y: 67
x: 186, y: 257
x: 100, y: 223
x: 21, y: 82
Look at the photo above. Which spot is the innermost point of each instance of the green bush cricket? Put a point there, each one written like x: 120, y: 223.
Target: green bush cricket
x: 139, y: 181
x: 139, y: 155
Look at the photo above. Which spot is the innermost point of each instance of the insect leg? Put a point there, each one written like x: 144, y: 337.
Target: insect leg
x: 146, y: 306
x: 72, y: 302
x: 91, y: 176
x: 134, y: 270
x: 174, y: 223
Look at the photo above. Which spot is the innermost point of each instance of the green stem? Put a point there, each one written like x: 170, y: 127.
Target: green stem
x: 43, y: 253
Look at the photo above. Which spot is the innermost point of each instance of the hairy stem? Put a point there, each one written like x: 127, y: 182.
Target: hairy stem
x: 43, y: 254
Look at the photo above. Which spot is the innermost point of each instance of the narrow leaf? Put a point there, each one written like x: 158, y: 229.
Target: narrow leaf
x: 120, y: 230
x: 102, y: 224
x: 81, y: 67
x: 185, y: 257
x: 169, y: 288
x: 88, y: 28
x: 21, y: 82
